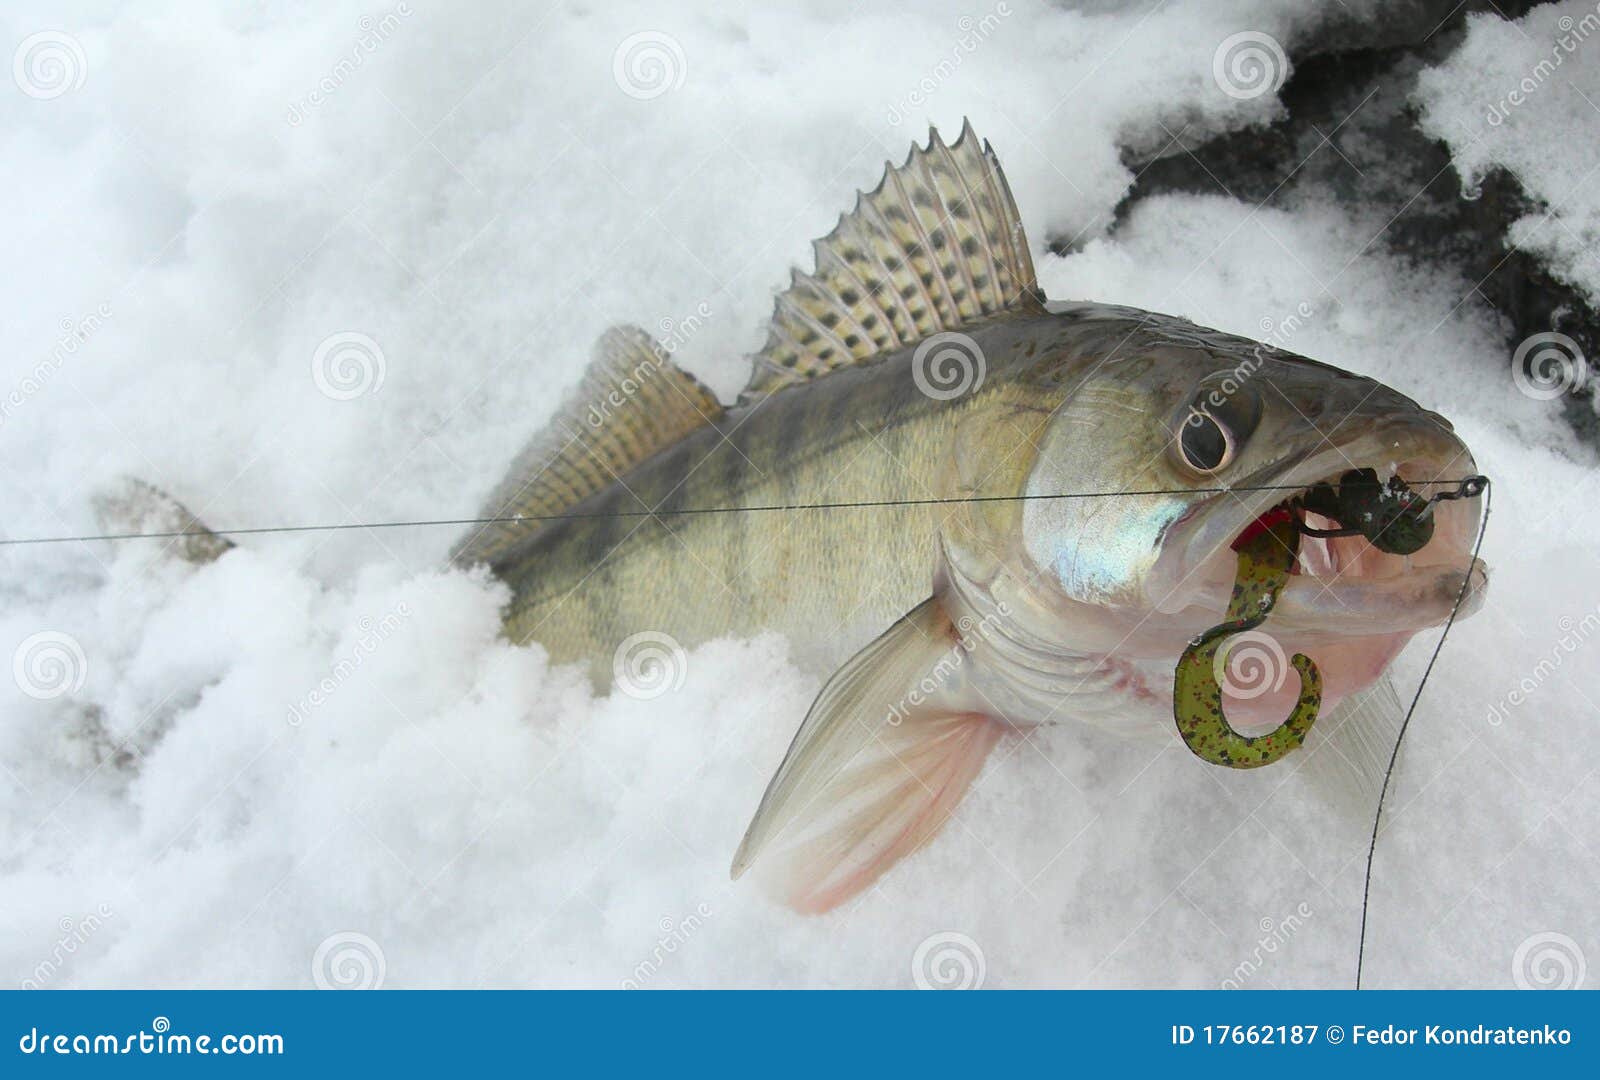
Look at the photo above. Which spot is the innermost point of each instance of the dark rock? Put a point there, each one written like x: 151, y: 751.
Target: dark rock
x: 1351, y: 135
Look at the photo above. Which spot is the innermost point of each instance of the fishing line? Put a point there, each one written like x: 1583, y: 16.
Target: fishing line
x: 1467, y: 487
x: 681, y: 512
x: 1394, y: 755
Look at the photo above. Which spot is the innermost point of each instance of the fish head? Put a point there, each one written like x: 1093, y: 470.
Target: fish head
x: 1142, y: 474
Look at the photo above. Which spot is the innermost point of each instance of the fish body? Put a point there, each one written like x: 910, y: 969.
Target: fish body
x: 980, y: 511
x: 631, y: 558
x: 832, y: 501
x: 975, y: 511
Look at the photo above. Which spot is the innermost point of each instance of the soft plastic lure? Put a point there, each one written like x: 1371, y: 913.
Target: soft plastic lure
x: 1266, y: 558
x: 1388, y: 513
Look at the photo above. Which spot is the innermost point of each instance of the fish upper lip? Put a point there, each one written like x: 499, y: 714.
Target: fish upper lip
x: 1342, y: 585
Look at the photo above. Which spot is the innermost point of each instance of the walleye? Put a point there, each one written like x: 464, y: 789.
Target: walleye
x: 919, y: 368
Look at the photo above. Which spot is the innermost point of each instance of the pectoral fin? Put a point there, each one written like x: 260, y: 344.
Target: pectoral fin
x: 883, y: 757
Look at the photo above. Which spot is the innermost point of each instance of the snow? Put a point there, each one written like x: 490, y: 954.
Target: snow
x: 322, y: 734
x: 1522, y: 96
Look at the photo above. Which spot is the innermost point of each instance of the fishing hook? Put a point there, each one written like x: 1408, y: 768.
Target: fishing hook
x: 1392, y: 517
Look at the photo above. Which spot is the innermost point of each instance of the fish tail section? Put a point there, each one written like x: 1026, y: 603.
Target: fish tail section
x: 876, y: 769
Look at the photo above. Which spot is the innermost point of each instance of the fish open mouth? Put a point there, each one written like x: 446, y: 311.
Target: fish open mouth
x: 1343, y: 584
x: 1349, y: 605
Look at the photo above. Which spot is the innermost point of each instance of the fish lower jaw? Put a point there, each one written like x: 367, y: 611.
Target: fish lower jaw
x: 1345, y: 581
x: 1354, y: 606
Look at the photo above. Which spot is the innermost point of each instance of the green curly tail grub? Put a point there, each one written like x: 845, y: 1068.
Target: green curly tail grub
x: 1265, y: 561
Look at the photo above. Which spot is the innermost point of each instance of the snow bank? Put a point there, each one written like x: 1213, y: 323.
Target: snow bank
x: 1521, y: 96
x: 321, y: 269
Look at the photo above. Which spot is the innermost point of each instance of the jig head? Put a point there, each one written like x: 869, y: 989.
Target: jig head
x: 1392, y: 517
x: 1389, y: 514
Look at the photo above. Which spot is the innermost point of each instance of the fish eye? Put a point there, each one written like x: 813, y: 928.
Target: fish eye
x: 1205, y: 444
x: 1221, y: 414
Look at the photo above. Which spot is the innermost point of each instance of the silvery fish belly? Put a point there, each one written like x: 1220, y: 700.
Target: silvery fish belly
x: 1064, y: 500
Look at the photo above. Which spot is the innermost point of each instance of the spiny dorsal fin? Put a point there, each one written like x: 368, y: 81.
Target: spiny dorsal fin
x: 632, y: 403
x: 936, y: 245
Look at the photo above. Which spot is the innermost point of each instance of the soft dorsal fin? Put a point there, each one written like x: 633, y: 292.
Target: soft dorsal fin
x: 633, y: 402
x: 936, y: 245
